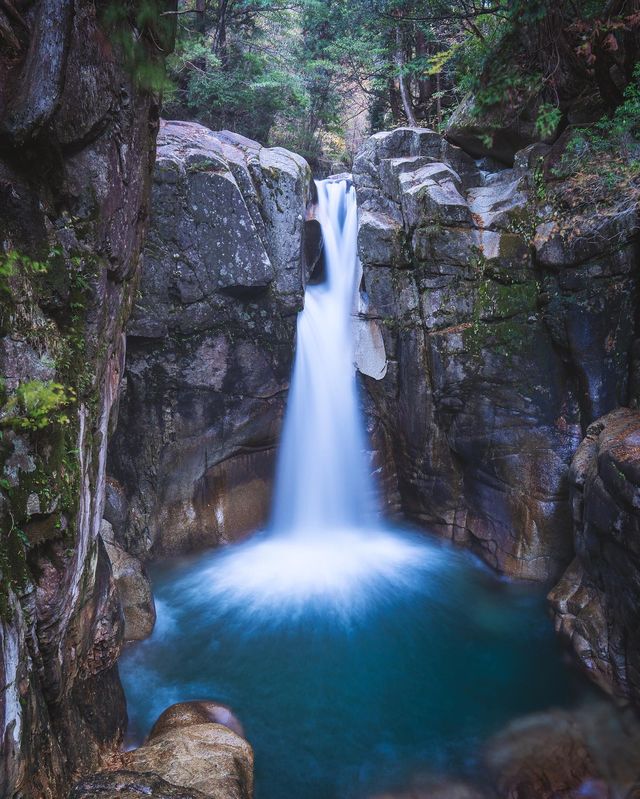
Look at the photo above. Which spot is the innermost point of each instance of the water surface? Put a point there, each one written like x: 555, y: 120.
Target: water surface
x: 343, y: 695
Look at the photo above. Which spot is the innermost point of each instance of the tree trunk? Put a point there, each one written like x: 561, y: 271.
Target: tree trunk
x: 394, y: 100
x: 425, y: 83
x: 404, y: 92
x: 201, y: 6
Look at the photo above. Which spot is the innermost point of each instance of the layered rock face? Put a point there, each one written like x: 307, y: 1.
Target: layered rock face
x: 210, y: 342
x: 77, y: 133
x: 596, y: 603
x: 505, y: 338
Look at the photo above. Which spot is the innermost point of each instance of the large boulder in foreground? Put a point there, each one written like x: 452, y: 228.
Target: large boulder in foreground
x: 597, y: 601
x: 210, y: 342
x: 593, y: 751
x: 184, y: 714
x: 208, y: 757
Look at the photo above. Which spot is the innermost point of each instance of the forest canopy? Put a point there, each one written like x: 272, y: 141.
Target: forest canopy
x: 317, y: 75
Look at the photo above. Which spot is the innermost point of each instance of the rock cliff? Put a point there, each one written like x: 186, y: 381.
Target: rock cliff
x: 508, y: 331
x: 596, y: 601
x: 210, y: 342
x: 78, y: 121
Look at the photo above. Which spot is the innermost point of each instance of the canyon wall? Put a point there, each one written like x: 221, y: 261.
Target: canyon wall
x: 210, y: 342
x: 595, y: 603
x: 506, y: 337
x: 78, y: 120
x: 510, y: 332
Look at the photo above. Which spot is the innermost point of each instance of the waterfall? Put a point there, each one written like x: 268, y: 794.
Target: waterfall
x: 322, y: 482
x: 325, y: 547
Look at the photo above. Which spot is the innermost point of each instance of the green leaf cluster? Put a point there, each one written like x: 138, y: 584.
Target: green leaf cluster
x: 36, y: 404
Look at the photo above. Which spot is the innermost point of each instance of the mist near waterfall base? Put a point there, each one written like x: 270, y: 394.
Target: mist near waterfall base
x: 356, y: 684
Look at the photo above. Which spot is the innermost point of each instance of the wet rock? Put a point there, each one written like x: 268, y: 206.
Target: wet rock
x: 208, y: 757
x: 210, y: 343
x: 184, y: 714
x: 133, y: 586
x: 130, y: 785
x: 543, y: 756
x: 590, y: 752
x: 498, y: 357
x: 596, y: 601
x: 78, y: 137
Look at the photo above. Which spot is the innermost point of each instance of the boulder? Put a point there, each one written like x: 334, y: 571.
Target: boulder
x: 130, y: 785
x: 593, y: 752
x: 208, y: 757
x: 134, y: 588
x: 596, y: 602
x: 184, y: 714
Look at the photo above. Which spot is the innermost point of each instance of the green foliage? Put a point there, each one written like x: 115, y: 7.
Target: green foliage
x: 36, y: 404
x: 142, y: 32
x: 625, y: 121
x: 236, y: 70
x: 14, y: 263
x: 298, y: 74
x: 547, y: 119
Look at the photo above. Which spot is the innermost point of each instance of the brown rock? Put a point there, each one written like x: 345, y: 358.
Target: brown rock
x: 541, y: 756
x: 184, y: 714
x: 134, y: 588
x: 208, y: 757
x: 590, y: 752
x: 130, y: 785
x: 596, y: 602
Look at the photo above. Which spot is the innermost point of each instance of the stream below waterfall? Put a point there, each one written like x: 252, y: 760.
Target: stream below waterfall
x: 344, y: 707
x: 355, y: 655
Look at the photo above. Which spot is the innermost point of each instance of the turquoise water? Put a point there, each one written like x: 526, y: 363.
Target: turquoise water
x: 407, y: 673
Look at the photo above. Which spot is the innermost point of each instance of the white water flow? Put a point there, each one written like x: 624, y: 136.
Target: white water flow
x: 324, y: 543
x: 323, y: 483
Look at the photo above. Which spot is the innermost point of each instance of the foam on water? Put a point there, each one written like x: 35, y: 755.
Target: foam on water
x: 342, y: 570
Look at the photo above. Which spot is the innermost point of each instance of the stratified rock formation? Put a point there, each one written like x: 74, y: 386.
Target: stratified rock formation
x: 210, y: 342
x: 596, y: 603
x: 77, y: 134
x: 506, y: 337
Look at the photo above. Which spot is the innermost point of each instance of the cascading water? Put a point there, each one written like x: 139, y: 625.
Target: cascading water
x: 322, y: 482
x: 355, y: 655
x: 324, y: 541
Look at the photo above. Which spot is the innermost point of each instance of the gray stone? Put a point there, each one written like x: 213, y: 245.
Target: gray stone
x: 210, y: 342
x: 499, y: 356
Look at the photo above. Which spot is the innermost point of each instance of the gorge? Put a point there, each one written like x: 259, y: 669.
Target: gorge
x: 299, y: 476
